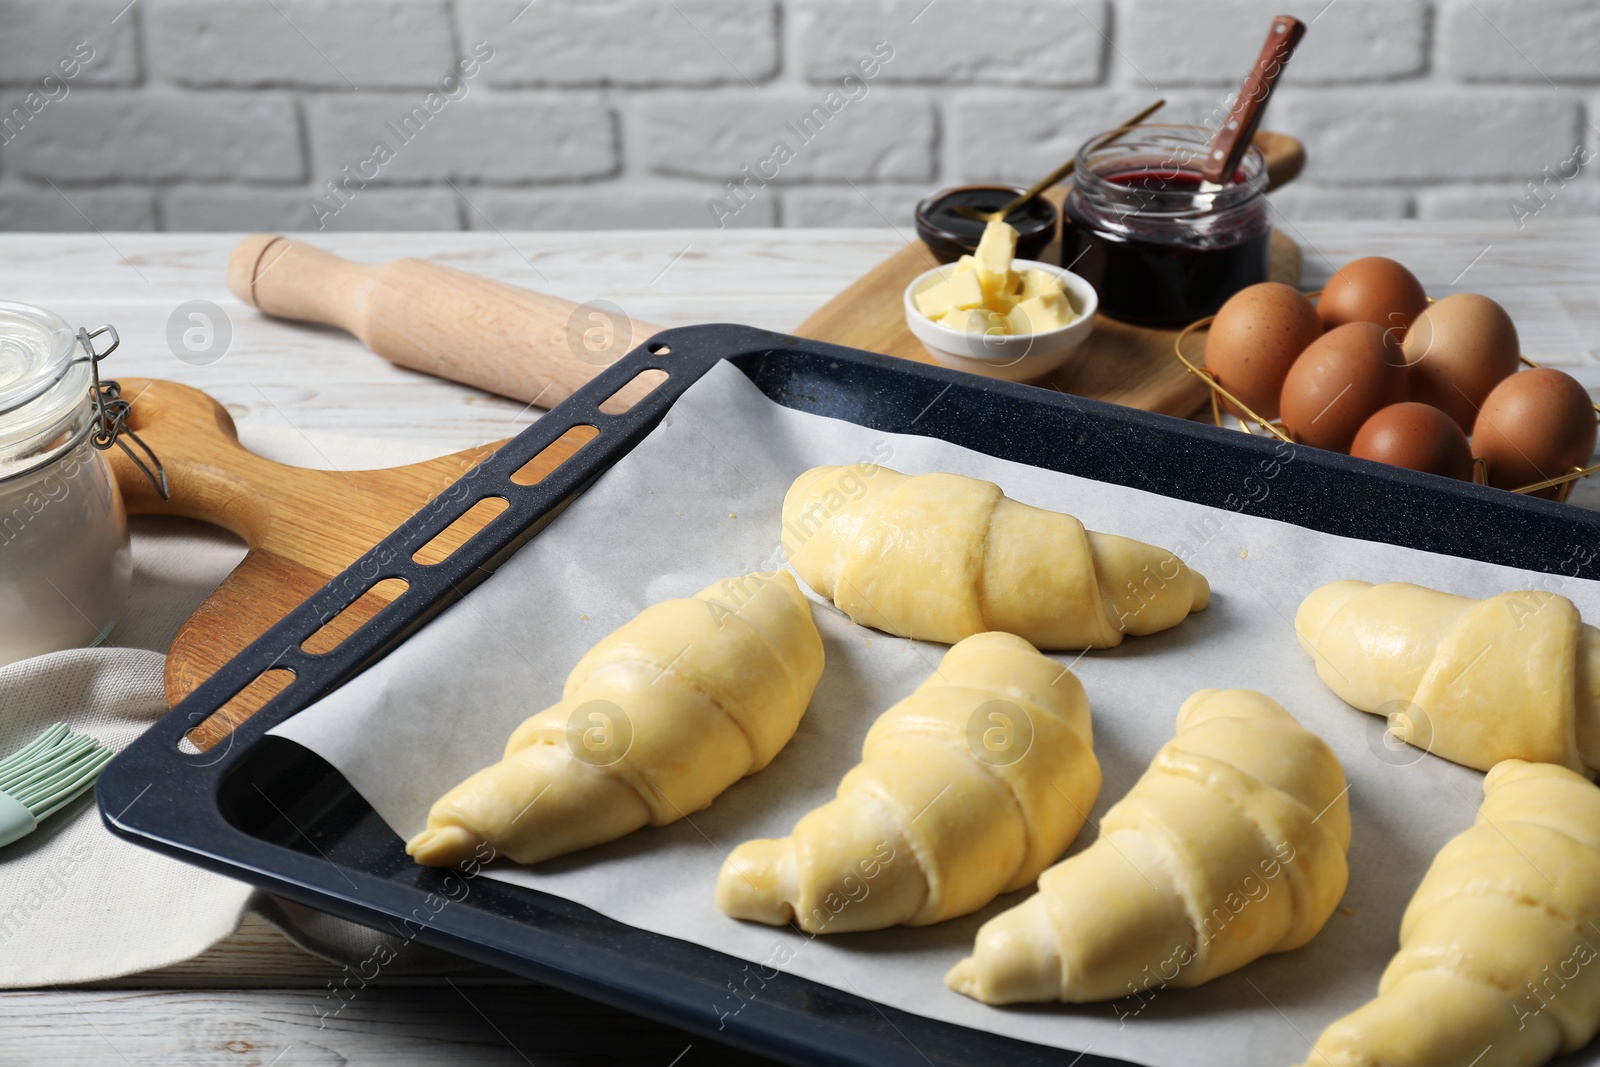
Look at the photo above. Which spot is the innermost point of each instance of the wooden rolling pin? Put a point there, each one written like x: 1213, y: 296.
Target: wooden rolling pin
x: 515, y: 342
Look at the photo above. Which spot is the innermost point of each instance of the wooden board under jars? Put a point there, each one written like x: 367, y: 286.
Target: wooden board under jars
x: 1119, y: 363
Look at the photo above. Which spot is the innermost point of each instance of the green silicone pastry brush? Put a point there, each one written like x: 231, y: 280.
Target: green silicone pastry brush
x: 41, y: 779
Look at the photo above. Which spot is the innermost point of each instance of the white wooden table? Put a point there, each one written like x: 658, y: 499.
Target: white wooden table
x: 253, y: 999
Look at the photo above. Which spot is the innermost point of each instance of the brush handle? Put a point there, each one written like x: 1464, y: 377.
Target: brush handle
x: 1244, y: 118
x: 515, y: 342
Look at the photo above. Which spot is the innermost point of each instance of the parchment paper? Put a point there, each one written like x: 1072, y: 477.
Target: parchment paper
x: 700, y: 500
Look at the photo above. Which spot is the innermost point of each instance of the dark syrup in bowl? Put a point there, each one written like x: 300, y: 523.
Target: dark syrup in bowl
x: 951, y: 236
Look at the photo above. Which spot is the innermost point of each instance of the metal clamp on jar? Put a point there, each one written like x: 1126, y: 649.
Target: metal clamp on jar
x: 1161, y: 245
x: 64, y: 556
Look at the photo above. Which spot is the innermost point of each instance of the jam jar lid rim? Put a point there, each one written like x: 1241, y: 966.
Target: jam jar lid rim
x: 1234, y: 194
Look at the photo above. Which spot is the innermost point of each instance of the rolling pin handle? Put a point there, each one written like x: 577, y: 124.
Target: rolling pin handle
x: 245, y: 263
x: 500, y: 338
x: 293, y: 280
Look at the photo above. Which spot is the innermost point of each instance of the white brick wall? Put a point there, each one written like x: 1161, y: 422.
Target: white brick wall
x: 481, y: 137
x: 957, y: 42
x: 160, y: 136
x: 238, y: 114
x: 715, y: 138
x: 625, y: 42
x: 1431, y: 137
x: 1179, y: 42
x: 365, y: 45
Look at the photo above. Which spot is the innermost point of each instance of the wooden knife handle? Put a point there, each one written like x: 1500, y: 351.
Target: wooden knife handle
x: 507, y: 340
x: 1244, y: 118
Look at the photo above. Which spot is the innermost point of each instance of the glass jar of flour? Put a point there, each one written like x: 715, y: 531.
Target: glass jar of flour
x: 64, y: 557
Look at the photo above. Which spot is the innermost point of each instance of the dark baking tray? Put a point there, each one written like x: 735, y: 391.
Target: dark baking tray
x: 269, y: 812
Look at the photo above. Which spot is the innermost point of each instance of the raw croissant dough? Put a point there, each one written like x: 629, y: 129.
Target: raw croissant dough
x: 967, y: 788
x: 708, y: 690
x: 1499, y: 962
x: 1516, y: 676
x: 941, y: 557
x: 1231, y: 846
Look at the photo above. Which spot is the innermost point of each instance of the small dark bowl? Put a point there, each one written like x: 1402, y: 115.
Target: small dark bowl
x: 952, y: 236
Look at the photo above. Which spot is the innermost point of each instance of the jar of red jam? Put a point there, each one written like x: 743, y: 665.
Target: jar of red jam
x: 1159, y: 247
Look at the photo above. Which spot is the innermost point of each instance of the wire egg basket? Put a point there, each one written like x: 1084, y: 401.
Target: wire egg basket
x: 1220, y: 395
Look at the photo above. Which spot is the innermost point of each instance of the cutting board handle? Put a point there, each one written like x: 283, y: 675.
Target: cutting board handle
x: 1285, y: 156
x: 515, y: 342
x: 212, y: 476
x: 268, y: 504
x: 302, y: 526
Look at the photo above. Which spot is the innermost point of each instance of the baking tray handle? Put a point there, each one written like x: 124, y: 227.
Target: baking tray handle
x: 683, y: 355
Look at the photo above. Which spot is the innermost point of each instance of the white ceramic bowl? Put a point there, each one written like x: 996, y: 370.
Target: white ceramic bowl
x: 1016, y: 358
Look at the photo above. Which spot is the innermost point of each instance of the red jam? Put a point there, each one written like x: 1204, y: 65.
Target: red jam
x: 1159, y: 250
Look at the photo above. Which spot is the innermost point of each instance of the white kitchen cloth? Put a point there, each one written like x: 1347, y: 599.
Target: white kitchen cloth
x: 76, y: 903
x: 80, y: 905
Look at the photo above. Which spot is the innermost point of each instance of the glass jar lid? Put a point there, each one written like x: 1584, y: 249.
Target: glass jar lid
x: 45, y: 402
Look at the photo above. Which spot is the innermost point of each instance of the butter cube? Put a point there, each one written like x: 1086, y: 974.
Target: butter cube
x: 985, y: 321
x: 995, y: 251
x: 961, y: 290
x: 977, y: 320
x: 1036, y: 281
x: 999, y: 303
x: 965, y: 263
x: 1036, y: 314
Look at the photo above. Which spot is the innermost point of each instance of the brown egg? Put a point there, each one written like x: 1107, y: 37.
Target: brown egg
x: 1534, y: 425
x: 1345, y: 377
x: 1418, y: 437
x: 1458, y: 350
x: 1255, y: 339
x: 1373, y: 289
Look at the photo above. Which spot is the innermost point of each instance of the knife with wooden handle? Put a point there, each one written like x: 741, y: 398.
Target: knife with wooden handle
x: 507, y: 340
x: 1228, y: 147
